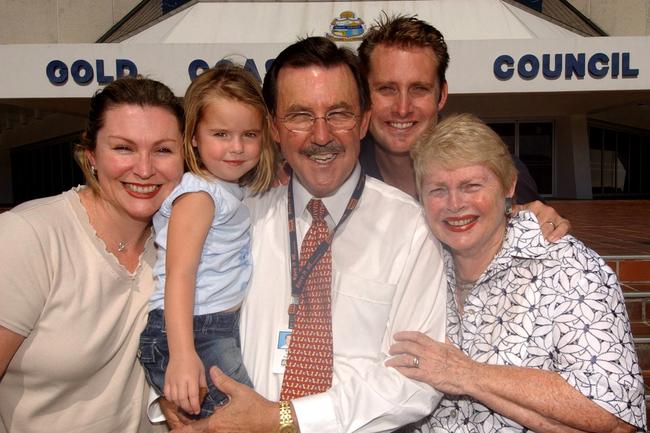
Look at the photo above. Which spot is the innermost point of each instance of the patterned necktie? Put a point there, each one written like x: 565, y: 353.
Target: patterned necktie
x: 309, y: 361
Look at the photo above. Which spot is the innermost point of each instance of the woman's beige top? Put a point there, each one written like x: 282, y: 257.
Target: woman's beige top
x: 81, y: 313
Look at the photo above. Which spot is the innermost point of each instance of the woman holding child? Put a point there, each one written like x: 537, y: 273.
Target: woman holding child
x: 76, y: 272
x: 539, y: 335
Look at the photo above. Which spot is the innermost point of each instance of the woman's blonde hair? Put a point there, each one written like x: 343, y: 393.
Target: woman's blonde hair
x: 235, y: 83
x: 460, y: 140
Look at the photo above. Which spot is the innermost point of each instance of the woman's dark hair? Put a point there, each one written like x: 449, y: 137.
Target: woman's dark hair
x: 140, y: 91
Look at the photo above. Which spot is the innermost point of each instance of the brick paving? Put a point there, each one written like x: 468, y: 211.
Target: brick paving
x: 610, y: 227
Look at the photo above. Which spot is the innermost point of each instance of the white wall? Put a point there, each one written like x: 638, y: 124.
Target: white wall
x: 59, y: 21
x: 617, y: 17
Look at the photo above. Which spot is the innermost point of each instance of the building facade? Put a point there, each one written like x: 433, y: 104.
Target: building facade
x: 573, y: 104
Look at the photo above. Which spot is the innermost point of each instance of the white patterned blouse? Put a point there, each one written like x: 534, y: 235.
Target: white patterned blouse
x: 556, y: 307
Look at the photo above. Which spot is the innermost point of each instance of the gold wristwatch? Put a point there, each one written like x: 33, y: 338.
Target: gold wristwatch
x: 286, y: 419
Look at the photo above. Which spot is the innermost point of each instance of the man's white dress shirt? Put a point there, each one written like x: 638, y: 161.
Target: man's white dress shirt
x: 387, y: 276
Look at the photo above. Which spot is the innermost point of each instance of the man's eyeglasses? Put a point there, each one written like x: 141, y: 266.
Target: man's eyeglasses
x: 335, y: 120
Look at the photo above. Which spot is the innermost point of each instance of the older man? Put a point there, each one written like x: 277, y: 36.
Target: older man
x: 405, y: 60
x: 377, y: 269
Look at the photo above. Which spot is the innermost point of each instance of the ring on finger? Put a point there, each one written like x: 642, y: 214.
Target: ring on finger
x: 551, y: 223
x: 416, y: 362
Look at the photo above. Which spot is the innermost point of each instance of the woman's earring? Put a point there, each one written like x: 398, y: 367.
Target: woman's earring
x: 508, y: 206
x: 93, y: 171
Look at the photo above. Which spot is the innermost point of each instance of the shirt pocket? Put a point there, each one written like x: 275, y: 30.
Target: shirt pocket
x: 360, y: 311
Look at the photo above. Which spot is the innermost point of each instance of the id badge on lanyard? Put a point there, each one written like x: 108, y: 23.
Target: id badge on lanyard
x: 281, y: 351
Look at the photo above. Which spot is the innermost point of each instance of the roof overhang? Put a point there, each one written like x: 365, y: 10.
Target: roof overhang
x: 282, y: 22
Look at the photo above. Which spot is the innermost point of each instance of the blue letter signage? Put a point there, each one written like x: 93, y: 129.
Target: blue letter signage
x: 83, y: 73
x: 571, y: 65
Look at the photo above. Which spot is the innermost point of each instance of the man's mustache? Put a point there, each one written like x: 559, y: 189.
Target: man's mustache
x: 314, y: 149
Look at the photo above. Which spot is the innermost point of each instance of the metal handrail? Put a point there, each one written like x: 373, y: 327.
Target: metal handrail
x: 633, y: 295
x: 626, y: 257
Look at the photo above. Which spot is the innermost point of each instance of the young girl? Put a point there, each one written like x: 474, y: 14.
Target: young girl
x: 202, y: 235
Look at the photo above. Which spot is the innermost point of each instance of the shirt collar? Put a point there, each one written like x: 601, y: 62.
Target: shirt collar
x: 523, y: 240
x: 335, y: 203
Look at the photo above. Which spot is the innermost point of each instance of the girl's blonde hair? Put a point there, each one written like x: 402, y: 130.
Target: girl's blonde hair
x: 235, y: 83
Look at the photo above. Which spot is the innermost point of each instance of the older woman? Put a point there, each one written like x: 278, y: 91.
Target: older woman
x: 75, y: 272
x: 539, y: 335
